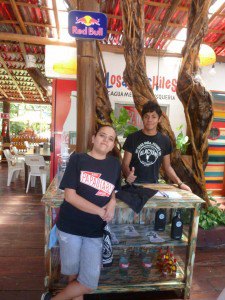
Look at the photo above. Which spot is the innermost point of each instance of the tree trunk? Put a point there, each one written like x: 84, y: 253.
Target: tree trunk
x: 103, y: 105
x: 137, y: 80
x: 196, y: 100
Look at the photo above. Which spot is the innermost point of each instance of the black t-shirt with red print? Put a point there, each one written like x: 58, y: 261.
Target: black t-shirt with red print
x: 147, y: 154
x: 94, y: 180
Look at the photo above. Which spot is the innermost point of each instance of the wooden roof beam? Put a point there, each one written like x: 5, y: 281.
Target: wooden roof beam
x: 15, y: 22
x: 18, y: 16
x: 25, y: 4
x: 3, y: 93
x: 36, y: 40
x: 17, y: 100
x: 54, y: 5
x: 164, y: 5
x: 216, y: 13
x: 11, y: 77
x: 167, y: 17
x: 146, y: 21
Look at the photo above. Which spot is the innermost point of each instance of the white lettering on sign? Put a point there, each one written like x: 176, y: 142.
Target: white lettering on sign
x: 92, y: 179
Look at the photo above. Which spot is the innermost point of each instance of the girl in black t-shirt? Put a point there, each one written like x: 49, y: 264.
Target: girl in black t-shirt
x: 90, y: 181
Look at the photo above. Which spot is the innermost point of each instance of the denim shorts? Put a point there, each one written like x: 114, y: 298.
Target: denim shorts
x: 81, y: 256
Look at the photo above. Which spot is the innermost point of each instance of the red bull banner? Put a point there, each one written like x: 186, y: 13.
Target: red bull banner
x: 87, y: 25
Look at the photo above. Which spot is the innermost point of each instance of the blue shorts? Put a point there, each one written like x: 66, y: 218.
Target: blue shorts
x: 81, y: 256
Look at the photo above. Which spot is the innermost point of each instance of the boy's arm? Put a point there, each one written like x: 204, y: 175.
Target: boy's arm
x: 172, y: 175
x: 127, y: 173
x: 79, y: 202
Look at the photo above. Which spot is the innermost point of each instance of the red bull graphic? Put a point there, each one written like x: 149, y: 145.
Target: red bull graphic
x: 87, y: 21
x: 87, y: 25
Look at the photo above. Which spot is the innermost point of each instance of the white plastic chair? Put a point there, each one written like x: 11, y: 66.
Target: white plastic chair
x: 19, y: 157
x: 37, y: 165
x: 14, y: 167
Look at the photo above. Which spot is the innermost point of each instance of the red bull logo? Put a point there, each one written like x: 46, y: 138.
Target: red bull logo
x: 87, y: 21
x: 89, y: 25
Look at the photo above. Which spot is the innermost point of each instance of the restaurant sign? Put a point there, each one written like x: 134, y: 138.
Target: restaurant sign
x: 4, y: 115
x: 87, y: 25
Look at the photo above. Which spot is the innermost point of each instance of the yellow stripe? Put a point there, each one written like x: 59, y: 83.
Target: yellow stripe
x: 213, y: 178
x: 222, y: 153
x: 220, y: 114
x: 214, y: 169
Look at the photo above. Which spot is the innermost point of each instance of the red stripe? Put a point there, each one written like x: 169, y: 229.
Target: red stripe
x: 214, y: 186
x: 218, y: 124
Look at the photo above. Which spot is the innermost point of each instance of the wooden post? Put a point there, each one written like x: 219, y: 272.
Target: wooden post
x: 5, y: 128
x: 86, y: 98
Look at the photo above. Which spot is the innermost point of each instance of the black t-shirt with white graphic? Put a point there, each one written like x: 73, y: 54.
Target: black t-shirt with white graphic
x: 147, y: 154
x: 94, y: 180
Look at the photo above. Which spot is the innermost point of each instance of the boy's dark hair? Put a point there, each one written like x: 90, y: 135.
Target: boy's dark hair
x: 151, y: 107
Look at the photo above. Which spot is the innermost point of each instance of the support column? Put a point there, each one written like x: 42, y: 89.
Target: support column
x: 86, y: 97
x: 5, y: 128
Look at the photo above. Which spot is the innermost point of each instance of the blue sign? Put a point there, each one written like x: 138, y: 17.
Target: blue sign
x: 87, y: 25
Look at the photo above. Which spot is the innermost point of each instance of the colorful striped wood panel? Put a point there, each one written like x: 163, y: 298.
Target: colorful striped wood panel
x: 214, y: 172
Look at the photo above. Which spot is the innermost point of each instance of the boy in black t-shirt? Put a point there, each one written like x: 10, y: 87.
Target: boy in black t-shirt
x: 90, y: 181
x: 147, y: 149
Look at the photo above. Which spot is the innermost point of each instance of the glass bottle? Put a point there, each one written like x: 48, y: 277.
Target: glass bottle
x: 124, y: 263
x: 146, y: 262
x: 62, y: 163
x: 177, y: 227
x: 160, y: 220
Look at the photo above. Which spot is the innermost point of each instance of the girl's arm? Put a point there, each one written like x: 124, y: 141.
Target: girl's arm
x: 79, y: 202
x: 110, y: 208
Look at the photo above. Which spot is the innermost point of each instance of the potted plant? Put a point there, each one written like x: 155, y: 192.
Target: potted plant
x: 182, y: 143
x: 212, y: 216
x: 121, y: 124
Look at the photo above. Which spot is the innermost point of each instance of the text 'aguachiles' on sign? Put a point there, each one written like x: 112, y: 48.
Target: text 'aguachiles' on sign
x: 87, y: 25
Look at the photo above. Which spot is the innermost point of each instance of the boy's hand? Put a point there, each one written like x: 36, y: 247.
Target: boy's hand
x: 131, y: 177
x: 185, y: 187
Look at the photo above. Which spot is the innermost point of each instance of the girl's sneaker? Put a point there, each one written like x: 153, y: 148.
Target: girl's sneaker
x: 46, y: 296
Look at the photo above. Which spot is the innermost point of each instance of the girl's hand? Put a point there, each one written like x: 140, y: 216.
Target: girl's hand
x: 102, y: 213
x: 110, y: 210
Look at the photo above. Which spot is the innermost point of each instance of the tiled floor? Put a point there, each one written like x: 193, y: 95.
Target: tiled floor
x: 22, y: 252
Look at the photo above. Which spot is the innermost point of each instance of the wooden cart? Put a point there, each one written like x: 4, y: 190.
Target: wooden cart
x: 111, y: 280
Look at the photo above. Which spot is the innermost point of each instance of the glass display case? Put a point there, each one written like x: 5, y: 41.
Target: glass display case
x: 135, y: 240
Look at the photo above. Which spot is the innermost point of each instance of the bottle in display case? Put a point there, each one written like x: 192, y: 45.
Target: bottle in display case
x: 160, y: 220
x: 124, y: 263
x: 62, y: 163
x: 177, y: 227
x: 146, y: 262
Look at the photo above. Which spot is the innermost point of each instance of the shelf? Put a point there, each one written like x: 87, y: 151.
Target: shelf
x: 143, y: 239
x: 111, y: 280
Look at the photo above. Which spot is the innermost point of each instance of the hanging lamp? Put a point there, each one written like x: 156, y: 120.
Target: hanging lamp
x: 207, y: 56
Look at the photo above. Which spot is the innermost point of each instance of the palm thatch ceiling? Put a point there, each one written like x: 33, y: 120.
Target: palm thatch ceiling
x: 26, y: 26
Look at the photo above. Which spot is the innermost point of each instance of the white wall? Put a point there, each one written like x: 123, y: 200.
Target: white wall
x: 216, y: 81
x: 166, y: 93
x: 168, y: 73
